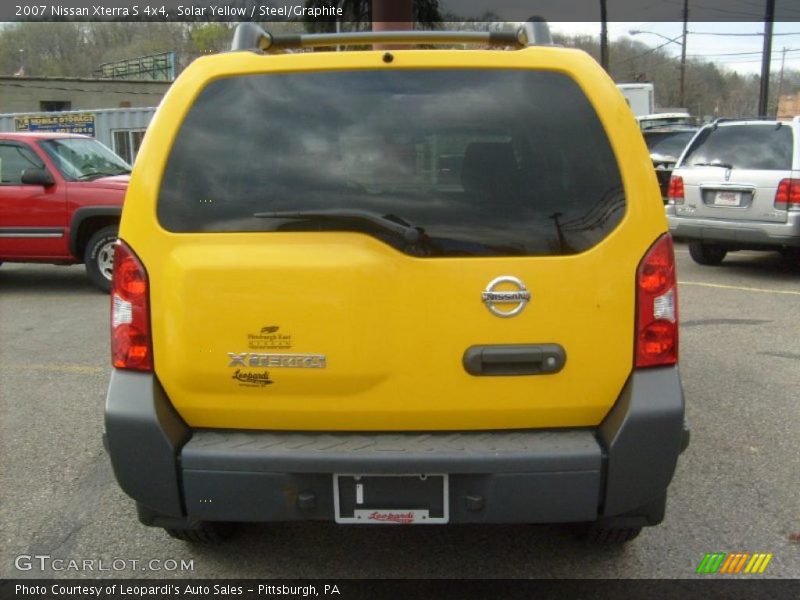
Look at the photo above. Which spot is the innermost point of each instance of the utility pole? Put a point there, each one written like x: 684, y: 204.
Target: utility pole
x: 339, y: 6
x: 780, y: 83
x: 769, y: 17
x: 390, y: 15
x: 603, y: 35
x: 682, y: 92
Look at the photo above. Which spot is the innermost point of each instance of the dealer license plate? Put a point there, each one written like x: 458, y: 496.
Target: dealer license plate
x: 728, y: 199
x: 391, y: 499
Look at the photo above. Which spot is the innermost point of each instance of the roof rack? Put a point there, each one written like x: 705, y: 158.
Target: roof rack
x: 719, y: 120
x: 249, y: 36
x: 730, y: 119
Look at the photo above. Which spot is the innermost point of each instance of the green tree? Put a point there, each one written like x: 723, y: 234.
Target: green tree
x: 211, y: 37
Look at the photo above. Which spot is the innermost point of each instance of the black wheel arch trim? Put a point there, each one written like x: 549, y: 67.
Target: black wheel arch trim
x: 642, y: 437
x: 81, y: 215
x: 142, y: 428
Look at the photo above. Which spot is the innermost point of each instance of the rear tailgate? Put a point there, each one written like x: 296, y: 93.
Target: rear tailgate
x: 331, y: 323
x: 746, y: 194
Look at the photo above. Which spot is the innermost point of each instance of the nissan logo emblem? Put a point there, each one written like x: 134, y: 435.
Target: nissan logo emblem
x: 515, y: 299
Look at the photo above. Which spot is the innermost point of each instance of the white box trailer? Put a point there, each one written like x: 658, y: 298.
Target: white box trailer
x: 641, y: 97
x: 121, y: 129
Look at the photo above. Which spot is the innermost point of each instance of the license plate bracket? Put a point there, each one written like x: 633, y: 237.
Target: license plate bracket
x: 408, y: 499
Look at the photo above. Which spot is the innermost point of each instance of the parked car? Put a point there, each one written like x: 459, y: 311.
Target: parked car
x: 403, y: 286
x: 666, y: 144
x: 666, y: 119
x: 737, y: 186
x: 61, y: 198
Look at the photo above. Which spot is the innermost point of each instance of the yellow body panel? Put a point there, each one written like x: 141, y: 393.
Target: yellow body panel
x: 393, y: 327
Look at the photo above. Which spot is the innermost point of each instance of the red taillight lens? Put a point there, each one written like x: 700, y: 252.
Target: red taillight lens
x: 788, y: 194
x: 657, y: 306
x: 675, y: 193
x: 131, y: 347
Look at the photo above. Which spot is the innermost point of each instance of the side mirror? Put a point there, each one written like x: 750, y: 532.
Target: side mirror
x: 37, y: 177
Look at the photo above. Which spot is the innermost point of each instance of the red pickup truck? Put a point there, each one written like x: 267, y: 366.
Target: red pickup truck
x: 61, y: 198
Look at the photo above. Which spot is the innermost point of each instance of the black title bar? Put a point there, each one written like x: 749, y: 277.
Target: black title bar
x: 711, y: 588
x: 422, y: 10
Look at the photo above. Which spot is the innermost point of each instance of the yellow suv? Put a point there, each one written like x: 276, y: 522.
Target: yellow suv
x: 395, y: 286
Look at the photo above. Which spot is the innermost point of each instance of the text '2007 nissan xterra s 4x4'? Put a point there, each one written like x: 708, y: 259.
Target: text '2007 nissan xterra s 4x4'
x: 404, y: 286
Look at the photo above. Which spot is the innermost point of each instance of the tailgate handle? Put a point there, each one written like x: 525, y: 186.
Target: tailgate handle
x: 515, y: 359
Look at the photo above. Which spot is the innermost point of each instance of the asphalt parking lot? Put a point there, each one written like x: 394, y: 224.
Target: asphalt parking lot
x: 735, y: 490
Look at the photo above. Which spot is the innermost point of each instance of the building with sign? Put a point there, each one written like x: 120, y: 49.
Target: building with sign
x: 121, y: 129
x: 115, y: 111
x: 68, y: 122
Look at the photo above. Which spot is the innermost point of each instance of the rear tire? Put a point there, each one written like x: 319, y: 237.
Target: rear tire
x: 99, y: 257
x: 791, y: 256
x: 707, y: 254
x: 605, y: 536
x: 205, y: 533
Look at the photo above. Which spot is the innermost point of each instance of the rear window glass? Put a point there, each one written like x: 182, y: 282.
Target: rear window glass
x: 766, y: 147
x: 668, y: 144
x: 475, y: 162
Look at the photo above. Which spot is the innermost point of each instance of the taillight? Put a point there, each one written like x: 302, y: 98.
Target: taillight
x: 657, y: 306
x: 787, y: 196
x: 131, y: 346
x: 675, y: 193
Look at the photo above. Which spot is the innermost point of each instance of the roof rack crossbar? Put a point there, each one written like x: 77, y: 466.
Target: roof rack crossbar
x: 249, y: 36
x: 729, y: 119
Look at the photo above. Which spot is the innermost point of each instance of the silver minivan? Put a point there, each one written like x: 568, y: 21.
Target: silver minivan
x: 737, y: 186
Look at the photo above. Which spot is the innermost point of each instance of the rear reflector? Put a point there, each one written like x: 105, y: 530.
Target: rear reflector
x: 657, y: 307
x: 787, y: 196
x: 131, y: 347
x: 675, y: 193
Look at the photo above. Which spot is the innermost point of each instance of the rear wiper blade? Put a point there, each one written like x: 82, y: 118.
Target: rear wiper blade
x: 712, y: 164
x: 391, y: 223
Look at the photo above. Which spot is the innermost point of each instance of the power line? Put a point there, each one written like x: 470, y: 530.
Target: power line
x: 755, y: 17
x: 68, y: 89
x: 739, y: 34
x: 783, y: 9
x: 742, y: 53
x: 650, y: 51
x: 671, y: 58
x: 747, y: 60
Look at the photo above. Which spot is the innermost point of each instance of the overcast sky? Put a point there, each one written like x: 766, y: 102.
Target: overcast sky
x: 726, y: 50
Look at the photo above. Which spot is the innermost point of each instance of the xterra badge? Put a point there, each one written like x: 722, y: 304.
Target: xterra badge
x: 285, y: 361
x: 517, y: 297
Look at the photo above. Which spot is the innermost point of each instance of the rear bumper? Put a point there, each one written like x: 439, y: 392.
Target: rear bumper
x: 735, y: 233
x: 621, y: 468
